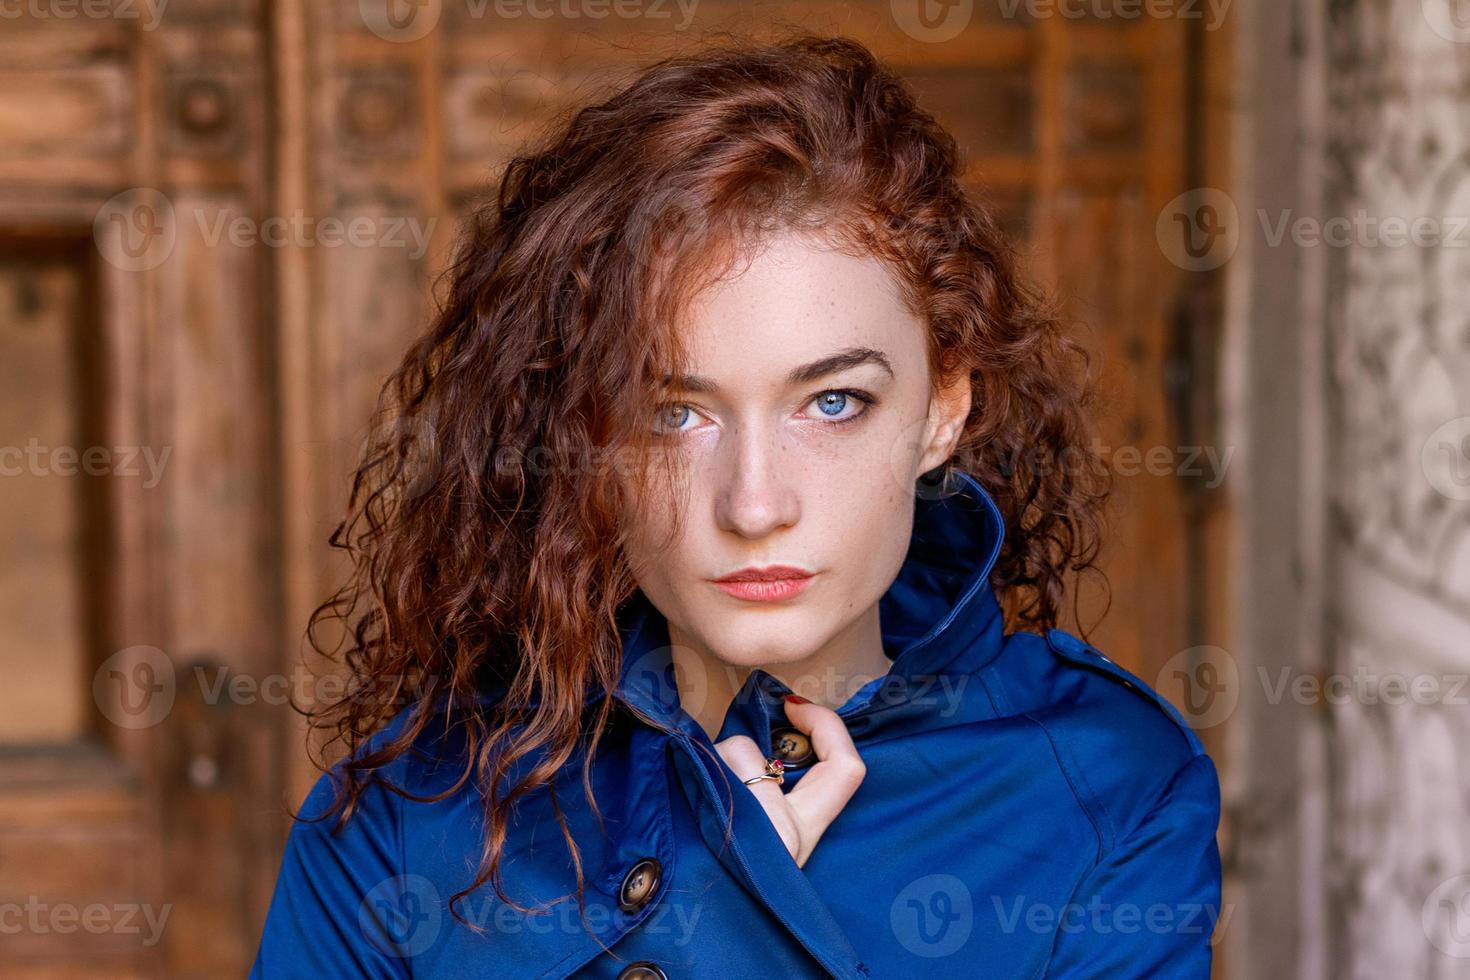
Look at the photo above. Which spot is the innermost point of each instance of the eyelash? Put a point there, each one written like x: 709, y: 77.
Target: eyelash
x: 865, y: 399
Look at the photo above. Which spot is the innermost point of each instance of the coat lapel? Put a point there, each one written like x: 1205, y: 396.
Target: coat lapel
x: 757, y: 857
x: 940, y: 617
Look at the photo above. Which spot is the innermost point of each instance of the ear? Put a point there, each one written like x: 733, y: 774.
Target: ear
x: 949, y: 406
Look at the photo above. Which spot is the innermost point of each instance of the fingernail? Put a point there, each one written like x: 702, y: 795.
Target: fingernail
x: 797, y: 699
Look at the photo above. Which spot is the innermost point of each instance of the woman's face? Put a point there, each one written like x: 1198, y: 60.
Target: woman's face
x: 801, y: 430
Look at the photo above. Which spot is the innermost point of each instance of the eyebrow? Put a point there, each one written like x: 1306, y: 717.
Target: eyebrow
x: 842, y: 360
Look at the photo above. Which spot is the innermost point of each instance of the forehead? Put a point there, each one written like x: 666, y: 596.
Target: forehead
x: 794, y: 299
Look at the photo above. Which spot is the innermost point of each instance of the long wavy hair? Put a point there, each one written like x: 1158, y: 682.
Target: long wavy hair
x: 484, y: 528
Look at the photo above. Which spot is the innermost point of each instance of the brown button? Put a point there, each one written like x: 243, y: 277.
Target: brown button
x: 793, y: 747
x: 639, y: 884
x: 643, y: 970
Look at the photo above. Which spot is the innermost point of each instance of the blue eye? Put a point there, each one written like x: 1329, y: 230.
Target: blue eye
x: 834, y: 403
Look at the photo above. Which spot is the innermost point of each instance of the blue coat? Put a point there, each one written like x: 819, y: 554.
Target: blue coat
x: 1030, y: 809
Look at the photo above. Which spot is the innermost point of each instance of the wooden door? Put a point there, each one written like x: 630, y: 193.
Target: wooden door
x: 170, y: 293
x: 139, y: 734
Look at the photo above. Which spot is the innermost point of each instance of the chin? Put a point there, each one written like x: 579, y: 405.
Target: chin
x: 775, y: 640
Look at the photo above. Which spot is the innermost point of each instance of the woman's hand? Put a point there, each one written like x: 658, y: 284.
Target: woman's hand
x: 802, y: 815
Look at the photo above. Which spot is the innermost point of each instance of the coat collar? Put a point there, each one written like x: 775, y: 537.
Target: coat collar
x: 940, y: 616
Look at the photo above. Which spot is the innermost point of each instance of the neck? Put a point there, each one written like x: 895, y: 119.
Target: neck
x: 707, y: 684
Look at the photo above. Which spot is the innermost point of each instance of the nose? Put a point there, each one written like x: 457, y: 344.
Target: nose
x: 755, y: 496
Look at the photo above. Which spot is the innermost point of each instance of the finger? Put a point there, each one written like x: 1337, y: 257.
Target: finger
x: 744, y: 758
x: 824, y: 789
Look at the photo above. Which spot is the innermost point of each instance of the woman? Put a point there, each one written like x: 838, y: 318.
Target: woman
x: 679, y: 623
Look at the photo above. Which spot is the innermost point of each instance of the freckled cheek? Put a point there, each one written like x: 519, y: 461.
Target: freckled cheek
x: 872, y: 525
x: 671, y: 577
x: 860, y: 510
x: 656, y: 555
x: 868, y: 514
x: 866, y: 459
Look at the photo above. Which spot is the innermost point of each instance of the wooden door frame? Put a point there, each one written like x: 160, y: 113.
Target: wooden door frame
x: 107, y: 772
x: 1271, y: 111
x: 124, y: 322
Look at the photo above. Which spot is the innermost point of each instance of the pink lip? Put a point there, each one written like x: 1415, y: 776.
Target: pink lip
x: 770, y: 584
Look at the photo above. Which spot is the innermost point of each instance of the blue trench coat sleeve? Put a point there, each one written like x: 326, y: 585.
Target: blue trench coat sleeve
x: 1150, y: 905
x: 341, y: 904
